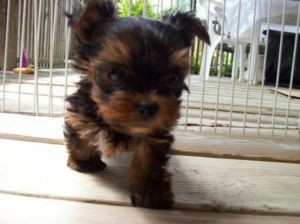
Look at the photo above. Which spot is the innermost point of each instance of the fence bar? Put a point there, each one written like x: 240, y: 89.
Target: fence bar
x: 129, y: 7
x: 37, y: 25
x: 188, y: 94
x: 67, y: 40
x: 35, y: 95
x: 5, y: 54
x: 49, y: 47
x: 264, y: 69
x: 157, y: 9
x: 234, y: 73
x: 27, y: 29
x: 45, y: 38
x: 19, y: 26
x: 292, y: 73
x: 205, y: 57
x: 161, y: 8
x: 52, y: 46
x: 278, y: 66
x: 49, y: 30
x: 20, y: 55
x: 61, y: 51
x: 187, y: 99
x: 58, y: 33
x: 31, y: 30
x: 145, y: 8
x: 250, y: 69
x: 57, y: 36
x: 220, y: 67
x: 42, y: 31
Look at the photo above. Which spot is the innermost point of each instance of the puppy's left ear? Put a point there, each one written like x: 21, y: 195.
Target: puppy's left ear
x: 89, y: 25
x: 90, y: 22
x: 188, y: 26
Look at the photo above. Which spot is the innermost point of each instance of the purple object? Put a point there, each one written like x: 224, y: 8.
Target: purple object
x: 25, y: 61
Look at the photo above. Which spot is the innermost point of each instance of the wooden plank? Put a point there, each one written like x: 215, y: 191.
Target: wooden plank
x: 251, y: 133
x: 238, y: 118
x: 229, y: 146
x: 49, y: 130
x: 239, y: 106
x: 295, y: 94
x: 239, y: 93
x: 33, y: 126
x: 202, y: 184
x: 50, y: 211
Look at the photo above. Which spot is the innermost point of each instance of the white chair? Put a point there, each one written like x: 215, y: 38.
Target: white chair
x: 247, y: 33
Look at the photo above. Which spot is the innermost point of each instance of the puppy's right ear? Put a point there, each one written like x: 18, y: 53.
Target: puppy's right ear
x: 188, y: 26
x: 91, y: 21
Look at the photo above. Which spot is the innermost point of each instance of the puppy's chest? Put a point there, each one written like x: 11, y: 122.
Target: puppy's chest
x: 108, y: 145
x: 109, y: 142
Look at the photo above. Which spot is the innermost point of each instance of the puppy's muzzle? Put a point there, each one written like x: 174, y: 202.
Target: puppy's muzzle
x: 147, y: 109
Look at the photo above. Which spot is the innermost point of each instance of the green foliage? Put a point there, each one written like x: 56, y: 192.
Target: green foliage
x: 183, y: 4
x: 225, y: 71
x: 136, y: 9
x: 195, y: 69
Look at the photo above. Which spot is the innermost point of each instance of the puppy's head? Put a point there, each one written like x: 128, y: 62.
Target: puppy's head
x: 137, y: 66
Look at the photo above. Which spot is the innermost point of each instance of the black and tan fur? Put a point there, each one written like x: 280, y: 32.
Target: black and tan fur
x: 129, y: 99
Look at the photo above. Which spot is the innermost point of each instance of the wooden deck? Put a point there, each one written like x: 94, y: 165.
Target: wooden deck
x: 217, y: 179
x: 198, y: 112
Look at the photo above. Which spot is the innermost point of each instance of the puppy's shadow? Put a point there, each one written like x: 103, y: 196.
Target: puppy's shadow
x: 187, y: 184
x: 114, y: 176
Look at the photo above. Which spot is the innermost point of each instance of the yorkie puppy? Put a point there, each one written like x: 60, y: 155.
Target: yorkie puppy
x: 129, y: 99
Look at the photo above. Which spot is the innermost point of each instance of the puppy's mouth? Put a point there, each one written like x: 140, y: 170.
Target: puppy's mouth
x: 135, y: 130
x: 138, y: 114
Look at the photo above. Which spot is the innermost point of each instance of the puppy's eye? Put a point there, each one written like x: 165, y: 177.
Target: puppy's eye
x: 172, y: 79
x: 116, y: 77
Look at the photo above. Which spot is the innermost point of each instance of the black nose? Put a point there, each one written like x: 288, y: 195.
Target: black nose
x: 147, y: 109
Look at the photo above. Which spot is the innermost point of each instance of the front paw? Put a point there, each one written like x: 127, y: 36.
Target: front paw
x: 150, y: 199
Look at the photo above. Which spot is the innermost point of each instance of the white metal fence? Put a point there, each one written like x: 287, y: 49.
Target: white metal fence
x: 243, y: 84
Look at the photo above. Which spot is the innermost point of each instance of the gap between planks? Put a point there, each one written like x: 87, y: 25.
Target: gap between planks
x: 50, y: 130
